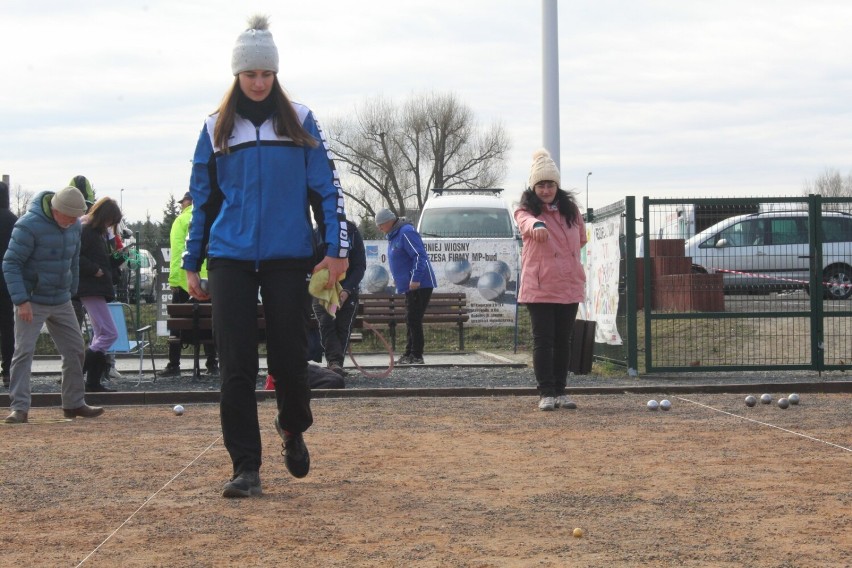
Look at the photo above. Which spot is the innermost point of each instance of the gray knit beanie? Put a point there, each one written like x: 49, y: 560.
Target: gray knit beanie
x: 69, y: 201
x: 384, y: 215
x: 255, y: 48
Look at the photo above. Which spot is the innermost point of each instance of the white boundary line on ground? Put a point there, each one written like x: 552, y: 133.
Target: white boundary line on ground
x: 149, y: 499
x: 766, y: 424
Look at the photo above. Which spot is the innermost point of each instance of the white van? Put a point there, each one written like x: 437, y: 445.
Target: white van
x: 473, y: 245
x: 467, y: 213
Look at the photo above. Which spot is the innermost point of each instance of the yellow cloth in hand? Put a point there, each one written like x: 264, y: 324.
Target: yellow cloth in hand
x: 329, y: 298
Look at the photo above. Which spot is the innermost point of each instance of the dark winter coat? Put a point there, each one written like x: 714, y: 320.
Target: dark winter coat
x: 43, y: 258
x: 357, y: 257
x: 94, y: 256
x: 7, y: 223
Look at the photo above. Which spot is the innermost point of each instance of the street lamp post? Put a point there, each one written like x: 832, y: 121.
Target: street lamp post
x: 121, y: 199
x: 587, y: 190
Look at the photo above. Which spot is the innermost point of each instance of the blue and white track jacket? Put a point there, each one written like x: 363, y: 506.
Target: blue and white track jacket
x: 254, y: 202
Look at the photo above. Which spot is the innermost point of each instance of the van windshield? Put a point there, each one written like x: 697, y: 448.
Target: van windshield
x: 466, y: 223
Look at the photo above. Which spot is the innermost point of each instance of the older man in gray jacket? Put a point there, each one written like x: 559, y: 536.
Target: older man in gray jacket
x: 41, y: 270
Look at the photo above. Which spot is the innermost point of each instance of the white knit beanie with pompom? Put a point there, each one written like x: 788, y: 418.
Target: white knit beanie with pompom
x: 255, y: 48
x: 543, y: 169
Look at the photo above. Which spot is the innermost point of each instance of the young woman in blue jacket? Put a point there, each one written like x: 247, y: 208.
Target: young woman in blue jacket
x: 260, y: 164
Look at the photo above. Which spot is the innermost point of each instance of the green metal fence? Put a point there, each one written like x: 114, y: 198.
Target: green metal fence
x: 738, y: 295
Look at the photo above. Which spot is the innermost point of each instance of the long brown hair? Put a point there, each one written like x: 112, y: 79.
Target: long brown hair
x: 286, y: 120
x: 565, y: 202
x: 104, y: 213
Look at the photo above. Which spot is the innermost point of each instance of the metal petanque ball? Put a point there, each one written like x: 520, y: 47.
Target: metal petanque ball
x: 458, y: 271
x: 750, y: 401
x: 500, y: 268
x: 665, y: 404
x: 793, y: 398
x: 766, y: 398
x: 653, y: 404
x: 783, y: 403
x: 491, y: 285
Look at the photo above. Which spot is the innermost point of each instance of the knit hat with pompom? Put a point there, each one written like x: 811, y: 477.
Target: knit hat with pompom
x: 543, y: 169
x: 255, y: 48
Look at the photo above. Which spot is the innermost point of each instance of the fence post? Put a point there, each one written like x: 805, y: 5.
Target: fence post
x: 630, y: 277
x: 817, y: 290
x: 138, y: 289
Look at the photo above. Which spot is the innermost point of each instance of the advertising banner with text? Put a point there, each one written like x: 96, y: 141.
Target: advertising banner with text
x: 485, y: 269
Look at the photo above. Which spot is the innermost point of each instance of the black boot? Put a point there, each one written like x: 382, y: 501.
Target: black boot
x: 95, y: 371
x: 87, y: 361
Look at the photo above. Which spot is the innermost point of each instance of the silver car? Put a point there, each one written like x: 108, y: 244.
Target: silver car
x: 143, y: 261
x: 763, y: 252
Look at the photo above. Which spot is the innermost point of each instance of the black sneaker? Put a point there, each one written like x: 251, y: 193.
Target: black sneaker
x: 338, y: 368
x: 169, y: 371
x: 295, y: 452
x: 416, y: 360
x: 404, y: 360
x: 213, y: 370
x: 244, y: 484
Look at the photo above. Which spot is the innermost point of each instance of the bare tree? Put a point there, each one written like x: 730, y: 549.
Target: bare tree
x: 830, y: 184
x: 22, y: 200
x: 396, y: 154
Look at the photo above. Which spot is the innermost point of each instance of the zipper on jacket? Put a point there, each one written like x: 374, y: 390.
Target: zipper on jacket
x: 257, y: 240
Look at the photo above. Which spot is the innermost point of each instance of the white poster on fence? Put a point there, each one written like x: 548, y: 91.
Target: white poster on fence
x: 601, y: 259
x: 485, y: 269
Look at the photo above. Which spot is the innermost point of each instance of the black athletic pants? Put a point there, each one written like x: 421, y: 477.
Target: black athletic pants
x: 552, y: 325
x: 283, y: 288
x: 416, y: 302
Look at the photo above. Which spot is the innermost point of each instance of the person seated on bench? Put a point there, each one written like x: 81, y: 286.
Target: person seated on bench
x: 318, y: 377
x: 335, y: 329
x: 413, y: 276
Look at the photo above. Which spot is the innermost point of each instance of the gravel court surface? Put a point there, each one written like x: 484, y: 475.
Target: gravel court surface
x: 442, y: 482
x: 449, y: 370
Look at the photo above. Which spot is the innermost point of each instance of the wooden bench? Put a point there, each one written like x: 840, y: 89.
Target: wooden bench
x: 389, y: 309
x: 192, y: 324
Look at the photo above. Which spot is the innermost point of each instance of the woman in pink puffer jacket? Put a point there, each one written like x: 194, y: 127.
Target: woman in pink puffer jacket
x: 552, y: 277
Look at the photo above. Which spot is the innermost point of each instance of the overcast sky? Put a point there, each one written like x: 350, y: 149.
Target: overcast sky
x: 658, y: 98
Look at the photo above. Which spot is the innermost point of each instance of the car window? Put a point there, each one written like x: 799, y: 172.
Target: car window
x: 836, y: 229
x: 788, y: 231
x: 468, y: 222
x: 743, y: 234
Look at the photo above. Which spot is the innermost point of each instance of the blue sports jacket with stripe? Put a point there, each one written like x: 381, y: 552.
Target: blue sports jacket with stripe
x: 254, y: 202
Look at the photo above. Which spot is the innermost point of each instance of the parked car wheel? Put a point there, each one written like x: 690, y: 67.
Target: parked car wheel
x: 839, y: 279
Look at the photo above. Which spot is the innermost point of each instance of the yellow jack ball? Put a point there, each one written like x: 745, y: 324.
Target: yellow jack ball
x: 578, y: 533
